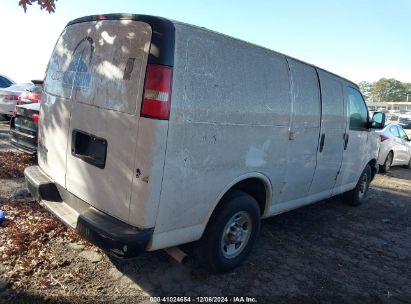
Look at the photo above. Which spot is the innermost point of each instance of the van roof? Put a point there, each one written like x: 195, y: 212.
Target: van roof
x: 164, y: 37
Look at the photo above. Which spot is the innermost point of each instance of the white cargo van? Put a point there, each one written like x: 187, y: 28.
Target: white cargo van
x: 155, y: 133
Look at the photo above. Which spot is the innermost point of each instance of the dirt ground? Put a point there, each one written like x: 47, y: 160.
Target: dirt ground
x: 326, y: 252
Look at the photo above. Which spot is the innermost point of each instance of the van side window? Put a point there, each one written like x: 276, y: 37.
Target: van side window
x: 357, y: 110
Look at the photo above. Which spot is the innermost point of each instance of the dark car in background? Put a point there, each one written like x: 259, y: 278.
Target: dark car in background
x: 405, y: 122
x: 23, y: 127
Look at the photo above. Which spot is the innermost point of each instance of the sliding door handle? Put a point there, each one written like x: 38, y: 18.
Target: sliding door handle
x: 322, y: 142
x: 346, y: 137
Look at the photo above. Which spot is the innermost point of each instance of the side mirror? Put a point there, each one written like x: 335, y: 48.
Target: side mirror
x: 378, y: 120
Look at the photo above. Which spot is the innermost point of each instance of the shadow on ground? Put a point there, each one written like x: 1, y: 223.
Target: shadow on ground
x: 399, y: 172
x: 327, y: 251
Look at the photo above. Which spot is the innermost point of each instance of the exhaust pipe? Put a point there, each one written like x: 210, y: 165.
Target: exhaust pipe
x: 178, y: 255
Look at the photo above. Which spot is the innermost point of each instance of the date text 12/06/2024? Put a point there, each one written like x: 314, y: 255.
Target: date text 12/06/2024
x: 236, y: 299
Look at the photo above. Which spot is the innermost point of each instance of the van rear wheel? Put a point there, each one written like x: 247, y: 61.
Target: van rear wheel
x: 230, y: 233
x: 357, y: 195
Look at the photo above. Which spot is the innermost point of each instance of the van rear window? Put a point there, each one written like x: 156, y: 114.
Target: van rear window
x: 101, y: 63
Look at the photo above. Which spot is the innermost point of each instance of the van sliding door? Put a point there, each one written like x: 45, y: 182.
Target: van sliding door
x: 303, y: 132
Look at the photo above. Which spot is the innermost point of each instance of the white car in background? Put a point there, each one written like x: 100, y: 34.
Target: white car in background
x: 395, y: 147
x: 9, y: 97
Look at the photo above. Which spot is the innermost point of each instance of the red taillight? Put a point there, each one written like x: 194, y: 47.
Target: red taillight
x: 382, y: 138
x: 35, y: 118
x: 12, y: 97
x: 157, y: 92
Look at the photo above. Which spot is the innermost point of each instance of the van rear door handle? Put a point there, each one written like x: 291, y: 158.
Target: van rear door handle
x: 322, y: 142
x: 346, y: 137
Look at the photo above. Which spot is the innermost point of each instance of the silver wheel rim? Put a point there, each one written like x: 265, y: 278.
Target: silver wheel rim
x: 236, y: 234
x: 363, y: 186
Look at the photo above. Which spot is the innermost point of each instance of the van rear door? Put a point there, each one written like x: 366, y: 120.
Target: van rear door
x: 108, y: 68
x: 56, y: 107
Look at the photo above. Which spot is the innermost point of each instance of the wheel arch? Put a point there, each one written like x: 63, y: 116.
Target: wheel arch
x: 255, y: 184
x: 374, y: 167
x: 391, y: 151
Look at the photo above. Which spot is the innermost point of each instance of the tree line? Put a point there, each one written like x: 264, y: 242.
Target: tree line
x: 386, y: 90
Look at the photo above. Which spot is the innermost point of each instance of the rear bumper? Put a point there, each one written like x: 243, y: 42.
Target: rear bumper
x: 105, y: 231
x: 23, y: 145
x: 7, y: 108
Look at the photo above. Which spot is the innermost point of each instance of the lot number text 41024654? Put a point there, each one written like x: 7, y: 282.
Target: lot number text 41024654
x: 237, y: 299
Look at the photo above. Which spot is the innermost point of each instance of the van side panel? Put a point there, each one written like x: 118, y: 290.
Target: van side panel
x: 230, y: 114
x: 148, y: 171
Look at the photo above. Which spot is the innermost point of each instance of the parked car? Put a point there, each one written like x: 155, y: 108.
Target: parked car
x: 405, y: 122
x: 395, y: 149
x: 189, y: 135
x: 10, y: 96
x: 5, y: 81
x: 405, y: 112
x: 30, y: 95
x: 24, y: 127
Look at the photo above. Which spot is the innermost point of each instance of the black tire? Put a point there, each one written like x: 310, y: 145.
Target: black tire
x: 4, y: 117
x: 212, y: 250
x: 409, y: 165
x: 387, y: 163
x: 357, y: 195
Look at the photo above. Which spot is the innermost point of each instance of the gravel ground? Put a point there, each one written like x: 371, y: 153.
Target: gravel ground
x: 326, y: 252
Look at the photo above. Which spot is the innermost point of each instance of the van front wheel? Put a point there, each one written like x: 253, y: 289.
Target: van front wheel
x: 357, y: 195
x: 230, y: 233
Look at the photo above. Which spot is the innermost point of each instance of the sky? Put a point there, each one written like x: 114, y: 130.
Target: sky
x: 362, y: 40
